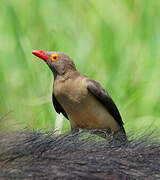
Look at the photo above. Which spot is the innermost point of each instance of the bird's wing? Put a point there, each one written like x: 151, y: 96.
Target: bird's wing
x: 102, y: 96
x: 59, y: 109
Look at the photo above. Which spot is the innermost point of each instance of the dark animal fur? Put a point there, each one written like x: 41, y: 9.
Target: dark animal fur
x: 34, y: 155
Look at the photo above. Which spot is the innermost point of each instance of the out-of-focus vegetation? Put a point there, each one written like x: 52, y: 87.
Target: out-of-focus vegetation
x: 115, y: 42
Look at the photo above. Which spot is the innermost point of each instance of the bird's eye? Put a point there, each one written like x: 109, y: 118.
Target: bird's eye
x: 54, y: 57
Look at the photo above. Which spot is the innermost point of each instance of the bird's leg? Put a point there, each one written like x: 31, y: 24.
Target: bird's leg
x: 104, y: 133
x: 120, y: 136
x: 108, y: 135
x: 116, y: 138
x: 99, y: 133
x: 74, y: 128
x: 74, y: 131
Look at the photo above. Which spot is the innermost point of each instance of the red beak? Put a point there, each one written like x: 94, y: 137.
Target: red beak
x: 40, y: 54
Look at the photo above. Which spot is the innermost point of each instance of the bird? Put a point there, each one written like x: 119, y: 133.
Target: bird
x: 83, y: 101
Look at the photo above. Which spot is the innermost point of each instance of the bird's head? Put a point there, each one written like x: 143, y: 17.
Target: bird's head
x: 59, y: 63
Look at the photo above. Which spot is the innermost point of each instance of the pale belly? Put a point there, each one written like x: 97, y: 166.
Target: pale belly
x: 90, y: 114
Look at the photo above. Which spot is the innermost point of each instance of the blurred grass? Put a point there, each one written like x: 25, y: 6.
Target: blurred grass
x: 115, y: 42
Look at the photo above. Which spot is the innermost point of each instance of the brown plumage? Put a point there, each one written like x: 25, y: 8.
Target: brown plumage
x: 80, y: 99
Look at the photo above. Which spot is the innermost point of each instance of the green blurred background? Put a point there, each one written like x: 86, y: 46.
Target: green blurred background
x: 115, y: 42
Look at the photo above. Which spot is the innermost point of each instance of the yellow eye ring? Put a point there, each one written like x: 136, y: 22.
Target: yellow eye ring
x: 54, y: 57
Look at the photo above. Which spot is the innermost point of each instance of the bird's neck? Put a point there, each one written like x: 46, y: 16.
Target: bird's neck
x: 64, y: 77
